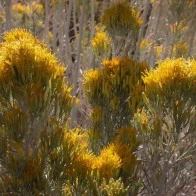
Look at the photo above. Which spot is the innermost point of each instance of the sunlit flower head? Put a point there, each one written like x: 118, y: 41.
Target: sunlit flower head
x: 76, y: 139
x: 108, y: 162
x: 23, y: 54
x: 19, y: 8
x: 173, y: 79
x: 101, y: 44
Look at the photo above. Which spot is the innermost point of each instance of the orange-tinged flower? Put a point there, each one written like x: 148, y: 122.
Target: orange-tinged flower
x: 171, y: 79
x: 108, y: 162
x: 84, y: 161
x: 23, y: 55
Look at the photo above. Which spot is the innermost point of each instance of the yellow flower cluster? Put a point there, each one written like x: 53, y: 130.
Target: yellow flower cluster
x: 119, y: 73
x: 76, y: 140
x: 92, y: 82
x: 28, y: 9
x: 35, y: 57
x: 126, y: 144
x: 171, y: 80
x: 101, y: 44
x: 19, y: 8
x: 121, y: 18
x: 35, y: 73
x: 108, y: 162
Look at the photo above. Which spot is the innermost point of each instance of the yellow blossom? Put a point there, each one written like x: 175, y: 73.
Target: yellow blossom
x: 101, y: 44
x: 19, y: 8
x: 76, y: 140
x: 171, y: 80
x: 37, y: 7
x: 121, y: 18
x: 92, y: 82
x: 36, y: 57
x: 108, y: 162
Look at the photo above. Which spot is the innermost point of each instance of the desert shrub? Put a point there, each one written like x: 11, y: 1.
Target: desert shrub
x: 115, y: 93
x: 167, y: 127
x: 39, y: 154
x: 142, y: 136
x: 121, y: 18
x: 34, y: 107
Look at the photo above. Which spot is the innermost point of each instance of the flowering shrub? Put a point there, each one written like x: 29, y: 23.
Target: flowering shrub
x: 115, y: 94
x: 35, y: 103
x: 167, y: 128
x: 120, y: 19
x: 142, y: 136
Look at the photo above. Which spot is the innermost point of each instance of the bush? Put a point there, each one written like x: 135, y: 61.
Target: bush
x: 35, y: 103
